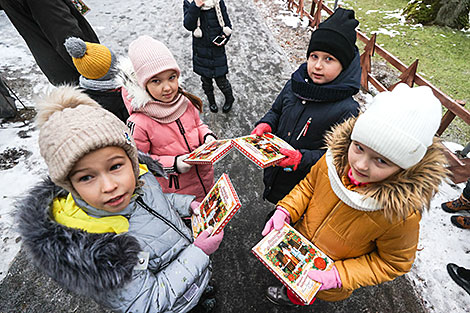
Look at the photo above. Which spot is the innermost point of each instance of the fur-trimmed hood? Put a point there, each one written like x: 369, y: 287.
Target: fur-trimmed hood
x: 105, y: 261
x: 139, y: 96
x: 399, y: 195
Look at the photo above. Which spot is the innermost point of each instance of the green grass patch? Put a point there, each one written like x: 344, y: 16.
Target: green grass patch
x: 443, y: 53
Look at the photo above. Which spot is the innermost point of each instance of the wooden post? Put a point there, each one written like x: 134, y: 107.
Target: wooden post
x: 366, y: 65
x: 317, y: 16
x: 448, y: 118
x: 408, y: 76
x: 300, y: 8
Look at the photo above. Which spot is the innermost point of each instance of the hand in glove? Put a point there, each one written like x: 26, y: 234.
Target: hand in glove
x: 207, y: 243
x: 209, y: 138
x: 261, y: 129
x: 181, y: 166
x: 195, y: 207
x: 276, y: 221
x: 293, y: 158
x: 329, y: 279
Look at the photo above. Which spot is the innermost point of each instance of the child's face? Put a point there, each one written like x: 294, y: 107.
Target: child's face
x: 367, y: 165
x: 164, y: 86
x: 323, y: 67
x: 104, y: 179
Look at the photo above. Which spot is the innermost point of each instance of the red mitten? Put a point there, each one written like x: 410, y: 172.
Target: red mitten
x: 261, y: 129
x: 293, y: 158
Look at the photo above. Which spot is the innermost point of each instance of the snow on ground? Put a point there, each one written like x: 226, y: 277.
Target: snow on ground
x: 440, y: 241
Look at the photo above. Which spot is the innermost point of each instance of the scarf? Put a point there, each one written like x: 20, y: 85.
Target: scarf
x: 209, y: 4
x: 100, y: 85
x: 163, y: 112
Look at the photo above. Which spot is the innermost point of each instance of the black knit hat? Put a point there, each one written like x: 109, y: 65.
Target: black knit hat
x: 337, y: 36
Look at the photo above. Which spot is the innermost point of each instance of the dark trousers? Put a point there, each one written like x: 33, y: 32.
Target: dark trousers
x: 221, y: 81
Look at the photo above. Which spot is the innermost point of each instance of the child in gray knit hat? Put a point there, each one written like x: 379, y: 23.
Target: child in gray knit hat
x: 100, y: 225
x: 96, y: 64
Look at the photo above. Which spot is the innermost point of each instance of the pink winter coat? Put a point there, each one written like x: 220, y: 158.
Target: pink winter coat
x: 164, y: 142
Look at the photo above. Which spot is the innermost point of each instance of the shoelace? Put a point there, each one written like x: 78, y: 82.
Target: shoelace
x: 466, y: 221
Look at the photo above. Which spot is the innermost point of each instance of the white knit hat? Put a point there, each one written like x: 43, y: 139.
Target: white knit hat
x: 400, y: 124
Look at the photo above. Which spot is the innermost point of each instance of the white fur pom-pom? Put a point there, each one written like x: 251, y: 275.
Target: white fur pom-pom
x: 227, y: 30
x: 197, y: 32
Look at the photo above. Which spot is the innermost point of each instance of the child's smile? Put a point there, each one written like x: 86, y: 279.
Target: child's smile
x: 104, y: 179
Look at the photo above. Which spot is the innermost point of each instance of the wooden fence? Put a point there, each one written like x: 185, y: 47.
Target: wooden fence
x: 458, y: 164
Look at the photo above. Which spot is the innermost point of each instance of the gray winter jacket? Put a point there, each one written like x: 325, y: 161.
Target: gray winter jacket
x: 102, y: 266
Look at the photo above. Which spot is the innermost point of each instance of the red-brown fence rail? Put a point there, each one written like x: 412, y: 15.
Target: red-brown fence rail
x: 459, y: 165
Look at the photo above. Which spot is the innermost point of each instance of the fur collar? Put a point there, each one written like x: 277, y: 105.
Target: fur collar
x: 400, y: 195
x: 82, y: 262
x: 138, y: 95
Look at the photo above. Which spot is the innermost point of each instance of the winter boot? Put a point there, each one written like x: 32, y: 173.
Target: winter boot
x: 456, y: 205
x: 229, y: 99
x: 460, y: 275
x: 278, y: 295
x: 224, y: 86
x: 212, y: 104
x: 461, y: 221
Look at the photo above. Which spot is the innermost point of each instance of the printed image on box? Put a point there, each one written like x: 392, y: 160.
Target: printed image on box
x: 210, y: 153
x: 217, y: 208
x: 289, y: 256
x: 263, y: 150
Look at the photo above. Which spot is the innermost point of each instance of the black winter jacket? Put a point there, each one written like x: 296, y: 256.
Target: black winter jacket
x: 299, y: 101
x: 209, y: 60
x: 45, y: 25
x: 111, y: 100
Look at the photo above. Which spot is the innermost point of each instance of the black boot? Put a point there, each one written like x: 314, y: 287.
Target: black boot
x: 229, y: 99
x: 212, y: 104
x: 224, y: 86
x: 209, y: 91
x: 460, y: 275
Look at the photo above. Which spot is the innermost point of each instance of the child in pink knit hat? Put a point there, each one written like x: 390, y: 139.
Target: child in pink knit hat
x: 164, y: 119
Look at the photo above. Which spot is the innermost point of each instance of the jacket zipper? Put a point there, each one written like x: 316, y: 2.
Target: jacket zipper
x: 182, y: 131
x: 163, y: 219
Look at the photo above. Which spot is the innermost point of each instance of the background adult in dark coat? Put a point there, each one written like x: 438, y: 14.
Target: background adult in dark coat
x: 44, y: 26
x: 209, y: 59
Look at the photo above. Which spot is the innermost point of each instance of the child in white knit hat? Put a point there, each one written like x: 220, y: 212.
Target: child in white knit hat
x: 362, y: 201
x: 101, y: 225
x: 164, y: 119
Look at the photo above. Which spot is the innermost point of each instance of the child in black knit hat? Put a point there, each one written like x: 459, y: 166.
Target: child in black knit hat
x: 318, y: 95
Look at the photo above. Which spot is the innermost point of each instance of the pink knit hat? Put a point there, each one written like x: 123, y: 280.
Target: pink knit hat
x: 149, y: 58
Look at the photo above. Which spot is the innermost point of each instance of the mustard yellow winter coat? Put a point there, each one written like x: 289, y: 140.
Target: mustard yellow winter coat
x: 372, y: 232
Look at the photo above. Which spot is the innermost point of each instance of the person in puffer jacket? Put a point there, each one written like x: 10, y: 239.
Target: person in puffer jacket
x: 318, y: 96
x: 164, y: 119
x: 362, y: 202
x: 100, y: 225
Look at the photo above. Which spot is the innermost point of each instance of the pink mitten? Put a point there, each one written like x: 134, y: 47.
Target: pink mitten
x: 276, y: 221
x: 292, y: 160
x: 261, y: 129
x: 207, y: 243
x: 329, y: 279
x: 195, y: 207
